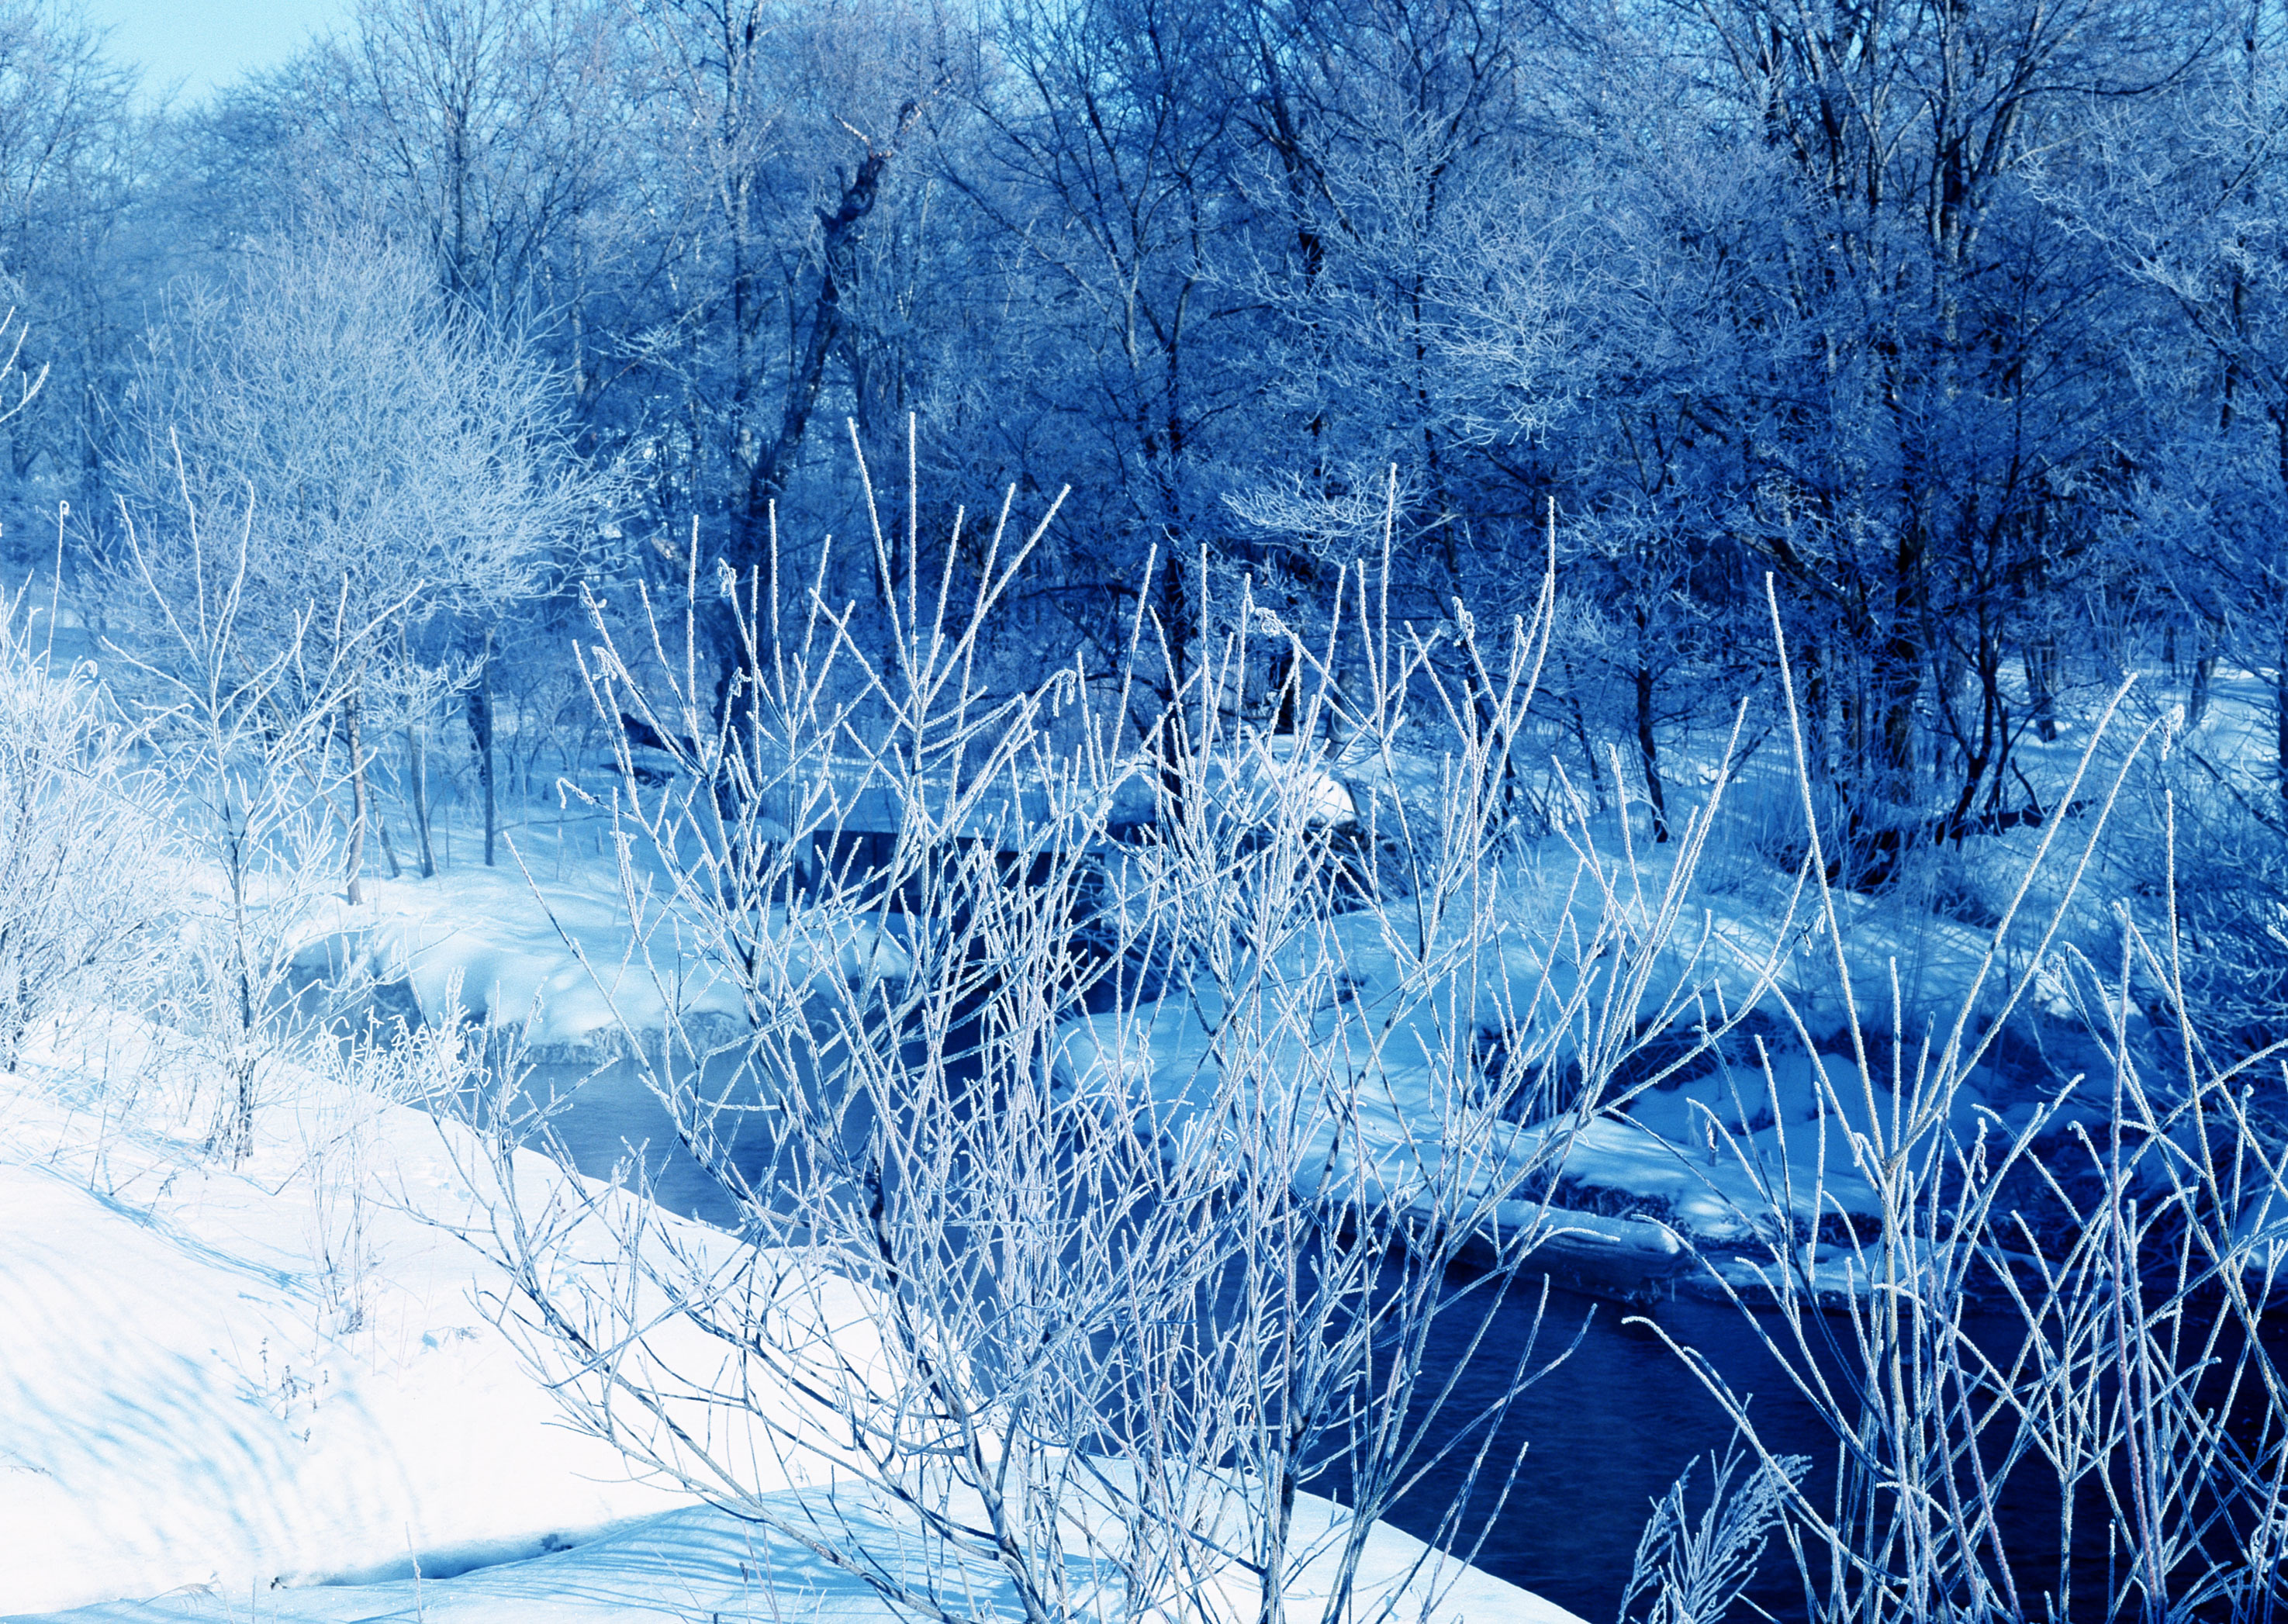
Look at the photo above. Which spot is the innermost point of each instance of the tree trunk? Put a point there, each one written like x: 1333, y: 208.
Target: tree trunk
x: 480, y: 733
x: 1167, y: 733
x: 1993, y: 735
x: 357, y: 796
x: 416, y: 754
x: 2042, y: 685
x: 1579, y: 718
x: 2280, y: 711
x: 838, y: 273
x: 1648, y: 750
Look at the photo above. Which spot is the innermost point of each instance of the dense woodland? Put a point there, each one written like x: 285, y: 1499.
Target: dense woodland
x: 1966, y: 321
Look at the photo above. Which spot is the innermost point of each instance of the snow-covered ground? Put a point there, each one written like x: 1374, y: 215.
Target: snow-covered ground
x: 1352, y: 1012
x: 217, y: 1382
x: 554, y: 958
x: 1632, y: 1187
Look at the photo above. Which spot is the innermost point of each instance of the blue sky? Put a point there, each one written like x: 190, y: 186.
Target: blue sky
x: 206, y: 43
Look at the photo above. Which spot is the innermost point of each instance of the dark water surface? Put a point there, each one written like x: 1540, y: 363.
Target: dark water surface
x: 1606, y: 1433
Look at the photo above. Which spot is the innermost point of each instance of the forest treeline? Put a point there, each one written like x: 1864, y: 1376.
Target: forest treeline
x: 1965, y: 320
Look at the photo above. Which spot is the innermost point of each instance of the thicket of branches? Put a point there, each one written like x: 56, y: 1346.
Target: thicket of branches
x: 1067, y: 1316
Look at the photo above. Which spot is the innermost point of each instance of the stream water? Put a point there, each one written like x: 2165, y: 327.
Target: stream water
x: 1607, y: 1431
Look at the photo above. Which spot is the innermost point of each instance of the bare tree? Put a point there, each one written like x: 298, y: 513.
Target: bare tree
x: 70, y: 140
x: 782, y: 140
x: 238, y: 731
x: 401, y: 461
x: 76, y: 805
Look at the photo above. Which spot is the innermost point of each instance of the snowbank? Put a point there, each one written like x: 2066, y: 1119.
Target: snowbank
x: 556, y: 958
x: 699, y: 1562
x: 194, y: 1398
x: 1379, y: 1051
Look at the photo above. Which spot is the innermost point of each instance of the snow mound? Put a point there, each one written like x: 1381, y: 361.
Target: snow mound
x: 211, y: 1381
x: 699, y: 1562
x: 276, y: 1393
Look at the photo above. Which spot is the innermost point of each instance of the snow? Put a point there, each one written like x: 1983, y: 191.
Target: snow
x: 1352, y: 1011
x: 557, y: 958
x: 694, y: 1562
x: 195, y: 1399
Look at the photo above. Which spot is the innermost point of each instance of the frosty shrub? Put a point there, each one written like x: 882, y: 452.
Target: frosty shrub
x: 2218, y: 850
x: 1690, y: 1571
x: 1103, y: 1179
x: 1105, y: 1119
x: 2044, y: 1342
x: 83, y: 877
